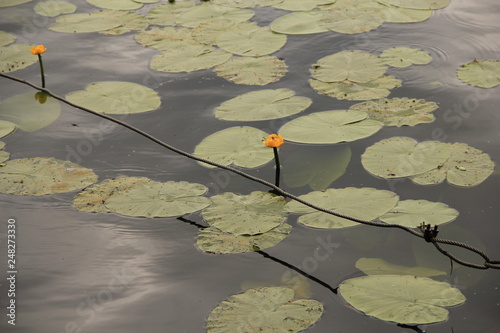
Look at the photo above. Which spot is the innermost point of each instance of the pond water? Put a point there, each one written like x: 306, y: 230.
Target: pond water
x: 86, y: 272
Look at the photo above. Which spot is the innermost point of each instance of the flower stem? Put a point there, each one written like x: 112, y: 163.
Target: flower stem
x: 41, y: 70
x: 278, y: 167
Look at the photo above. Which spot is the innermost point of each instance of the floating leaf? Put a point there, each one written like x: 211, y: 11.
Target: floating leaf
x: 135, y: 23
x: 252, y: 71
x: 401, y: 57
x: 116, y: 4
x: 194, y: 16
x: 17, y: 56
x: 27, y: 113
x: 466, y: 166
x: 301, y: 5
x: 352, y: 20
x: 246, y: 3
x: 484, y: 74
x: 405, y: 15
x: 213, y: 240
x: 262, y: 105
x: 152, y: 199
x: 8, y: 3
x: 251, y: 214
x: 93, y: 198
x: 402, y: 157
x: 6, y: 38
x: 377, y: 266
x: 330, y: 127
x: 93, y: 22
x: 417, y: 4
x: 115, y: 97
x: 378, y: 88
x: 345, y: 201
x: 40, y: 176
x: 206, y: 33
x: 412, y: 213
x: 275, y: 308
x: 251, y: 43
x: 6, y: 128
x: 54, y: 8
x: 4, y: 156
x: 241, y: 146
x: 167, y: 13
x: 300, y: 23
x: 355, y: 66
x: 167, y: 39
x: 403, y: 299
x: 398, y: 111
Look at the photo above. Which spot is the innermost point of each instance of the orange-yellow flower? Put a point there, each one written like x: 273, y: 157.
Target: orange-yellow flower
x: 36, y: 50
x: 274, y: 140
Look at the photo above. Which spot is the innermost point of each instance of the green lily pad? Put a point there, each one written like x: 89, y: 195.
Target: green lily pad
x: 9, y: 3
x: 167, y: 39
x: 401, y: 57
x: 40, y: 176
x: 300, y: 23
x: 137, y: 22
x: 116, y: 4
x: 484, y: 74
x: 246, y: 3
x: 412, y: 213
x: 301, y: 5
x: 241, y: 146
x: 53, y: 8
x: 251, y: 43
x: 405, y: 15
x: 252, y: 71
x: 93, y: 198
x: 4, y: 156
x: 206, y: 33
x: 262, y: 105
x: 466, y: 166
x: 115, y: 97
x: 402, y: 157
x: 355, y: 66
x: 188, y: 58
x: 377, y: 266
x: 194, y: 16
x: 6, y: 128
x: 347, y: 90
x: 398, y: 111
x: 6, y: 38
x: 93, y: 22
x: 166, y: 14
x: 417, y: 4
x: 212, y: 240
x: 362, y: 203
x: 403, y: 299
x: 251, y: 214
x: 352, y: 20
x: 15, y: 57
x: 152, y: 199
x: 330, y: 127
x: 274, y: 307
x: 316, y: 166
x: 27, y: 113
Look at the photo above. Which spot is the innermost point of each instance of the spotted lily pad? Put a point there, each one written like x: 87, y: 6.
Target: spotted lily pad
x: 377, y: 266
x: 252, y: 71
x: 398, y: 111
x: 362, y: 203
x: 275, y: 308
x: 417, y: 4
x: 40, y: 176
x: 262, y: 105
x: 330, y: 127
x: 251, y: 43
x: 241, y: 146
x: 348, y: 90
x: 484, y: 74
x: 212, y: 240
x: 403, y: 299
x: 412, y: 213
x: 401, y: 57
x: 15, y: 57
x: 152, y: 199
x: 251, y: 214
x: 53, y: 8
x: 115, y: 97
x: 6, y: 128
x: 300, y: 23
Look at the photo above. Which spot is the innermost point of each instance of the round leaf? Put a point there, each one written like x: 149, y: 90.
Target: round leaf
x: 252, y: 71
x: 484, y: 74
x: 116, y: 4
x: 405, y: 15
x: 330, y: 127
x: 8, y: 3
x: 417, y: 4
x: 6, y: 38
x: 300, y: 23
x: 6, y: 128
x: 251, y: 214
x: 403, y: 299
x: 17, y: 56
x: 376, y: 266
x: 348, y: 20
x: 378, y: 88
x: 166, y: 39
x: 167, y: 13
x: 54, y: 8
x: 194, y: 16
x: 93, y: 22
x: 301, y: 5
x: 412, y: 213
x: 253, y: 43
x: 401, y: 57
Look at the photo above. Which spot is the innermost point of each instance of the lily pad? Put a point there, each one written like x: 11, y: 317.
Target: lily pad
x: 15, y: 57
x: 166, y: 14
x: 348, y: 90
x: 362, y: 203
x: 402, y: 157
x: 484, y: 74
x: 194, y: 16
x: 251, y: 214
x: 262, y: 105
x: 6, y: 128
x: 352, y: 20
x: 412, y: 213
x: 330, y: 127
x: 264, y: 310
x: 405, y: 15
x: 27, y: 113
x: 212, y: 240
x: 4, y: 156
x: 301, y: 5
x: 466, y: 166
x: 300, y: 23
x: 398, y: 111
x: 40, y: 176
x: 401, y: 57
x: 9, y: 3
x: 116, y: 4
x: 137, y: 22
x: 246, y: 3
x: 403, y: 299
x: 115, y: 97
x: 355, y: 66
x: 252, y: 71
x: 53, y: 8
x: 251, y: 43
x: 377, y: 266
x: 6, y: 38
x: 152, y: 199
x: 93, y: 22
x: 417, y: 4
x: 167, y: 39
x: 241, y: 146
x: 206, y: 33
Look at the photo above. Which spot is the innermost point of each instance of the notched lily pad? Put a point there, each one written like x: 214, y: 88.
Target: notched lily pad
x: 116, y: 4
x: 412, y: 213
x: 250, y: 43
x: 352, y: 20
x: 417, y: 4
x: 484, y: 74
x: 300, y: 23
x: 252, y: 71
x: 348, y: 90
x: 194, y: 16
x: 53, y: 8
x: 401, y: 57
x: 377, y: 266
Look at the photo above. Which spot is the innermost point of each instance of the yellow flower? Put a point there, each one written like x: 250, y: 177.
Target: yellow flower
x: 36, y: 50
x: 274, y: 140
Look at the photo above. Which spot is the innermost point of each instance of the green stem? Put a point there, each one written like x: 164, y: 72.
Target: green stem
x: 278, y: 167
x: 41, y: 70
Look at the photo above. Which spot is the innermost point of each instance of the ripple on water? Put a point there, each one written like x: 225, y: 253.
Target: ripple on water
x: 472, y: 14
